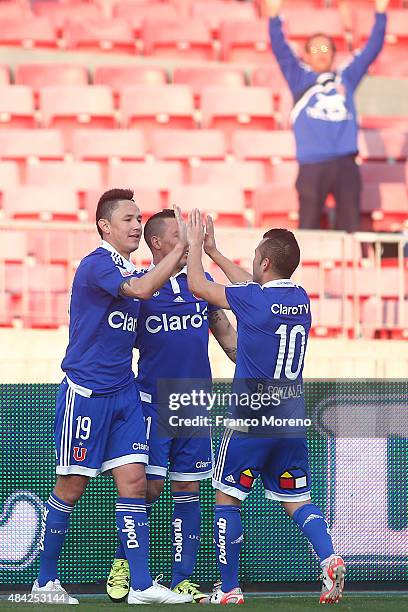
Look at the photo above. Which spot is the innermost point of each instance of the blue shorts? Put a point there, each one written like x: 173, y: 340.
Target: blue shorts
x: 96, y: 434
x: 282, y: 464
x: 187, y: 459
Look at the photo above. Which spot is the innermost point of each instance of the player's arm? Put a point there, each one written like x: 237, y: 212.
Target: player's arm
x: 232, y: 271
x: 198, y: 283
x: 144, y: 287
x: 224, y: 333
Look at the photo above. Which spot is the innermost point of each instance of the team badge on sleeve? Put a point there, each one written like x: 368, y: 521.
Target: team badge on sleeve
x: 295, y: 478
x: 246, y: 478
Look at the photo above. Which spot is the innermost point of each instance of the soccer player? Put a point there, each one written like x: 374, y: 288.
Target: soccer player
x: 99, y: 423
x: 273, y: 317
x: 173, y: 344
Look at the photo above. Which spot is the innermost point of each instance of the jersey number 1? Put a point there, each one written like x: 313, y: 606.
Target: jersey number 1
x: 286, y: 351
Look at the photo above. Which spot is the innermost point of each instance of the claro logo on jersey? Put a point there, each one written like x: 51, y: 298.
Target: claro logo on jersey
x: 122, y: 320
x: 164, y: 322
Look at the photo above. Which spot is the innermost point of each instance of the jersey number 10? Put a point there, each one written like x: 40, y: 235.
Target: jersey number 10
x: 286, y: 351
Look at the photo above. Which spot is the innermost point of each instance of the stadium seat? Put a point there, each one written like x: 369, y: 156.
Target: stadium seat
x: 188, y: 39
x: 387, y: 204
x: 300, y: 24
x: 107, y: 145
x: 364, y: 282
x: 188, y: 145
x: 25, y: 144
x: 62, y: 245
x: 331, y: 315
x: 41, y: 75
x: 4, y: 75
x: 230, y: 108
x: 325, y: 248
x: 216, y: 11
x: 61, y: 12
x: 148, y: 200
x: 136, y: 15
x: 37, y: 278
x: 80, y: 176
x: 13, y: 245
x: 391, y: 62
x: 397, y: 26
x: 245, y: 41
x: 152, y: 106
x: 268, y: 147
x: 117, y: 76
x: 248, y: 176
x: 16, y: 107
x: 276, y: 205
x: 378, y: 122
x: 226, y: 203
x: 99, y: 35
x: 12, y: 10
x: 269, y: 76
x: 40, y: 203
x: 282, y: 173
x: 68, y: 107
x: 198, y: 77
x: 382, y: 172
x: 158, y: 175
x: 47, y: 310
x: 28, y: 32
x: 9, y: 176
x: 310, y: 278
x: 383, y: 144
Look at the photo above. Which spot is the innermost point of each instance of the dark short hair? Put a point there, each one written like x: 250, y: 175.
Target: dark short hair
x: 329, y: 38
x: 281, y: 248
x: 108, y: 202
x: 154, y: 225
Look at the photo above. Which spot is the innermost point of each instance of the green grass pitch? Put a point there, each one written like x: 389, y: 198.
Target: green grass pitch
x: 284, y: 603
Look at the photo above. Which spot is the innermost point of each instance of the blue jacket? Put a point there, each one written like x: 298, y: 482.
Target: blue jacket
x: 324, y: 115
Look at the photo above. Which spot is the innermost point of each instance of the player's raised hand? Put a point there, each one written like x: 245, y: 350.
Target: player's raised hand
x: 209, y: 238
x: 271, y: 8
x: 181, y: 224
x: 195, y: 228
x: 381, y: 5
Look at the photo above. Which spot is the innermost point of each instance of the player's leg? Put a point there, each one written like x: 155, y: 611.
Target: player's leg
x: 287, y: 479
x: 190, y: 462
x: 238, y: 462
x: 126, y: 455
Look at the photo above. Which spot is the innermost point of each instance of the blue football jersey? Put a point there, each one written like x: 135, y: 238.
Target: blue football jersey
x: 103, y: 324
x: 273, y: 323
x: 172, y: 336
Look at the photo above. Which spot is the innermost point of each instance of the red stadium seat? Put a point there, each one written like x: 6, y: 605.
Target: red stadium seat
x: 178, y: 39
x: 283, y: 173
x: 216, y: 11
x: 383, y: 144
x: 331, y: 314
x: 188, y: 145
x: 226, y: 203
x: 41, y: 75
x: 12, y: 10
x: 40, y: 202
x: 300, y: 24
x: 16, y: 107
x: 68, y: 107
x: 245, y: 41
x: 379, y: 122
x: 325, y: 248
x: 276, y: 205
x: 397, y: 26
x: 152, y: 106
x: 13, y: 245
x: 264, y: 146
x: 47, y: 310
x: 4, y: 75
x: 117, y: 76
x: 198, y: 77
x: 310, y: 278
x: 104, y: 145
x: 269, y: 76
x: 230, y: 108
x: 9, y: 176
x: 80, y: 176
x: 28, y: 32
x: 382, y: 172
x: 99, y: 35
x: 37, y: 278
x: 365, y: 282
x: 387, y: 204
x: 391, y: 62
x: 158, y: 175
x: 24, y: 144
x: 136, y: 14
x: 60, y: 12
x: 62, y: 246
x: 148, y: 200
x: 248, y: 176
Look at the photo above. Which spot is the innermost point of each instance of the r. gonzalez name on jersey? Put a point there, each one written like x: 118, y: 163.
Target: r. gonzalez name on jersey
x: 168, y: 323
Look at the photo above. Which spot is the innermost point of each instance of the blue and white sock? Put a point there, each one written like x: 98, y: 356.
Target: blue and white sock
x: 185, y: 535
x: 120, y: 551
x: 312, y: 524
x: 133, y: 531
x: 228, y: 537
x: 55, y: 523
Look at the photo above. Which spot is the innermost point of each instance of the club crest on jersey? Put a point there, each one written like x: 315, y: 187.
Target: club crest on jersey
x: 294, y: 478
x: 246, y: 478
x: 124, y: 272
x: 79, y: 453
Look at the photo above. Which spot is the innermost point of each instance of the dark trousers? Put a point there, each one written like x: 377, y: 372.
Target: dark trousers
x: 339, y: 177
